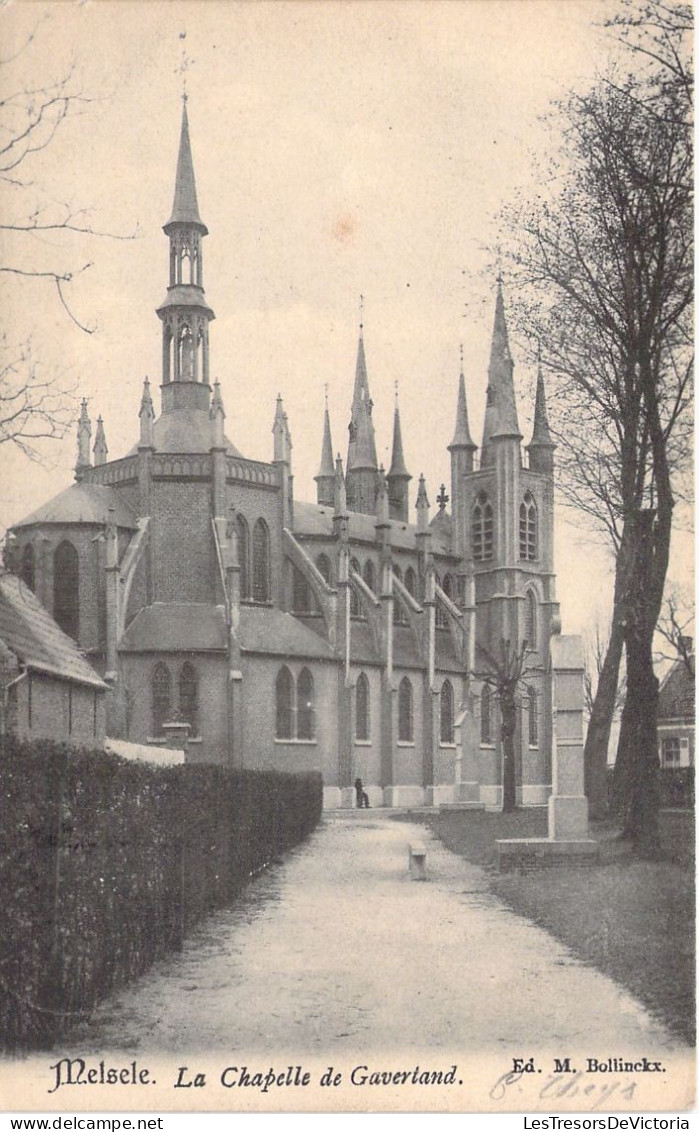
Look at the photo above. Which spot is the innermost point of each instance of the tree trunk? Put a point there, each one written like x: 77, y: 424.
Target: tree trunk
x: 600, y: 724
x: 508, y: 711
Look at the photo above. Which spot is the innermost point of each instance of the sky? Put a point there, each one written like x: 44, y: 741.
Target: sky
x: 341, y: 149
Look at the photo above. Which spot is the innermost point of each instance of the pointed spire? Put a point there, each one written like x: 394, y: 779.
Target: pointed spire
x: 185, y: 209
x: 500, y: 410
x: 541, y: 433
x: 100, y: 449
x: 146, y: 416
x: 362, y: 443
x: 340, y: 500
x: 279, y: 431
x: 327, y: 467
x: 84, y: 434
x: 422, y: 504
x: 217, y: 415
x: 383, y: 513
x: 398, y: 468
x: 217, y: 409
x: 462, y: 432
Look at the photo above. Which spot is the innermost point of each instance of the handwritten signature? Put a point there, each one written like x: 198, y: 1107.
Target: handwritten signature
x: 565, y: 1085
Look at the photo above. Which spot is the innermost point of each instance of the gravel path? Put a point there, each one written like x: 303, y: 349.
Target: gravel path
x: 338, y: 950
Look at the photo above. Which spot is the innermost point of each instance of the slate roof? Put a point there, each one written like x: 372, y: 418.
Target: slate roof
x: 184, y: 432
x: 83, y: 503
x: 676, y: 698
x: 317, y: 519
x: 180, y: 627
x: 29, y: 631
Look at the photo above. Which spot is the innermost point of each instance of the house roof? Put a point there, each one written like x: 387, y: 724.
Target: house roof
x: 317, y: 519
x: 676, y: 699
x: 193, y: 627
x: 83, y: 503
x: 29, y: 632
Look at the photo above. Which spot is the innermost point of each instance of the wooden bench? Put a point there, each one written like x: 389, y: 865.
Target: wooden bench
x: 417, y: 859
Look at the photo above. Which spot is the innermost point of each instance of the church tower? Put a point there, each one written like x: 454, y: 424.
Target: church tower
x: 185, y: 314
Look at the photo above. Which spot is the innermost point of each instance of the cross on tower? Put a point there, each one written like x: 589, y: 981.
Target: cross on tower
x: 442, y: 498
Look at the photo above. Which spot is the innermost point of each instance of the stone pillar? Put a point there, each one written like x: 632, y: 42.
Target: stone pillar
x: 567, y: 806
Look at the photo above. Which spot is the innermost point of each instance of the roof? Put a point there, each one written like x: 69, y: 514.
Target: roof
x: 177, y: 627
x: 83, y: 503
x: 183, y: 431
x: 30, y: 632
x: 676, y: 699
x: 196, y: 627
x: 316, y: 519
x: 185, y: 209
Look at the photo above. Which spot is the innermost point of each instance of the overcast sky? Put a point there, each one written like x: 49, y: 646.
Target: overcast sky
x: 340, y: 149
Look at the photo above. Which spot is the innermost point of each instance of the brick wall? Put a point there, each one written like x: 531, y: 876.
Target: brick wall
x: 46, y: 707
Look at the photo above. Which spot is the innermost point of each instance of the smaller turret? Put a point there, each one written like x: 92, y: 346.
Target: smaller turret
x: 84, y: 435
x: 398, y: 476
x: 146, y: 415
x: 325, y: 480
x: 100, y: 450
x: 541, y: 447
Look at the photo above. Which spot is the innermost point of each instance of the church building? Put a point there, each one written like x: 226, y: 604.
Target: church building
x: 350, y: 634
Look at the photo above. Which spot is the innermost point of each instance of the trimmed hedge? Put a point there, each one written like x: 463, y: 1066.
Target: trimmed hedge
x: 676, y: 786
x: 105, y: 865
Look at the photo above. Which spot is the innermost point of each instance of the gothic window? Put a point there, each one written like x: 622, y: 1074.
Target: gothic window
x: 363, y: 717
x: 399, y: 617
x: 482, y: 529
x: 530, y: 619
x: 302, y: 598
x: 405, y: 711
x: 368, y: 574
x: 243, y: 558
x: 354, y: 598
x: 66, y: 588
x: 305, y: 723
x: 411, y: 582
x: 161, y: 690
x: 284, y: 701
x: 323, y: 564
x: 533, y: 711
x: 446, y: 713
x: 189, y: 696
x: 486, y: 715
x: 528, y: 529
x: 260, y: 562
x: 27, y: 572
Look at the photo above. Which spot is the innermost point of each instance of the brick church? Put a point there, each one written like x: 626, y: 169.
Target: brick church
x: 338, y: 635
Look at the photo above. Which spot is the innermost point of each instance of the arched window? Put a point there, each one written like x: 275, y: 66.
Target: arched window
x: 486, y: 715
x: 284, y: 700
x: 527, y: 529
x: 302, y: 600
x: 304, y: 706
x: 260, y: 562
x: 446, y: 713
x: 533, y: 710
x: 189, y: 697
x: 405, y: 711
x: 363, y: 716
x: 161, y: 690
x: 354, y: 598
x: 368, y: 574
x: 530, y: 619
x: 399, y: 616
x: 27, y: 572
x: 66, y: 589
x: 411, y: 582
x: 323, y: 564
x: 482, y: 529
x: 244, y: 558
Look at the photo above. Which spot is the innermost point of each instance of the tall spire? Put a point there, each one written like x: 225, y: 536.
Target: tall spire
x: 500, y: 410
x: 185, y: 209
x: 462, y: 432
x: 362, y: 465
x: 325, y: 479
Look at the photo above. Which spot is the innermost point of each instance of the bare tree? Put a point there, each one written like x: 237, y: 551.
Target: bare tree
x: 604, y: 260
x: 673, y: 627
x: 35, y: 404
x: 507, y: 670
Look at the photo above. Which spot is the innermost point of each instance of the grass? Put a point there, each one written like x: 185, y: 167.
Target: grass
x: 632, y: 919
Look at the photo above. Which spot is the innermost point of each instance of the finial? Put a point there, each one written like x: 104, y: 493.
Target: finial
x: 184, y: 66
x: 361, y: 312
x: 326, y: 395
x: 396, y: 391
x: 461, y: 356
x: 442, y: 498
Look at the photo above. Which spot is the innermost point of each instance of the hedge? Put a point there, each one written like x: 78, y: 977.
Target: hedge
x: 105, y: 865
x: 675, y: 785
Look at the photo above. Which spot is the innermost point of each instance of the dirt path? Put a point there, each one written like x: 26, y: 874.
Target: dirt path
x: 338, y: 950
